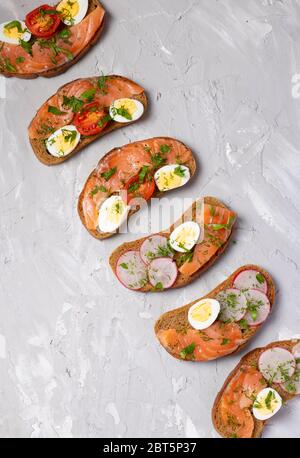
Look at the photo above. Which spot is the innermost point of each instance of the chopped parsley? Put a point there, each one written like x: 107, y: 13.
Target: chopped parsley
x: 133, y: 187
x: 260, y: 278
x: 159, y: 286
x: 88, y: 95
x: 107, y: 175
x: 124, y: 265
x: 179, y: 171
x: 27, y: 46
x: 14, y: 25
x: 164, y: 148
x: 102, y: 84
x: 122, y: 111
x: 9, y: 66
x: 104, y: 120
x: 187, y: 351
x: 64, y: 33
x: 73, y: 103
x: 96, y: 189
x: 157, y: 160
x: 185, y: 257
x: 225, y: 341
x: 20, y: 59
x: 55, y: 110
x: 69, y: 135
x: 143, y: 173
x: 212, y: 210
x: 244, y: 324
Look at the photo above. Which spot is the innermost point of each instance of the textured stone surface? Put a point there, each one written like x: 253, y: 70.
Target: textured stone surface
x: 78, y: 355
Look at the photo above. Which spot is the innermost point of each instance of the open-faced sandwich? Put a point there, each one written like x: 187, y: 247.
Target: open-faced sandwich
x: 221, y: 322
x: 262, y: 382
x: 82, y: 111
x: 139, y: 170
x: 50, y: 39
x: 177, y: 256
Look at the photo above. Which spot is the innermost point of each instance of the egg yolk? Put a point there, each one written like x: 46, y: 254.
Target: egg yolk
x: 128, y: 104
x: 115, y: 212
x: 202, y: 312
x: 13, y: 33
x: 186, y: 235
x: 63, y: 143
x: 68, y: 8
x: 168, y: 180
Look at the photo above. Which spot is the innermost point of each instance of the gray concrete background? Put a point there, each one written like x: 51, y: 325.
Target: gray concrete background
x: 78, y: 356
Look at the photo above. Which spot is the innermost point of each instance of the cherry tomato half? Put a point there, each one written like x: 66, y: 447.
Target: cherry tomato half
x: 43, y: 21
x: 91, y: 120
x: 136, y: 189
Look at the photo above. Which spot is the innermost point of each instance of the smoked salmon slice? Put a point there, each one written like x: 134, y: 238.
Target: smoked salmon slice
x: 48, y: 54
x: 217, y: 224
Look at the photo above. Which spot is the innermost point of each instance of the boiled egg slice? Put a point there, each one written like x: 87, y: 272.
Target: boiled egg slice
x: 14, y: 31
x: 63, y: 141
x: 185, y: 236
x: 126, y: 110
x: 113, y: 212
x: 171, y: 176
x: 203, y: 313
x: 72, y: 11
x: 266, y: 404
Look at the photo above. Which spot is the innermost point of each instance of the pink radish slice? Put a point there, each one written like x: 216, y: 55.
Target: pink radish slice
x: 277, y: 364
x: 258, y: 307
x: 162, y: 273
x: 153, y: 247
x: 233, y: 304
x: 131, y: 270
x: 292, y: 386
x: 250, y: 279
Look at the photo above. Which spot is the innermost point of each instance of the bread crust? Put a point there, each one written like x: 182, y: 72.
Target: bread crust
x: 251, y: 358
x: 64, y: 67
x: 182, y: 280
x: 39, y: 147
x: 178, y: 317
x: 191, y: 164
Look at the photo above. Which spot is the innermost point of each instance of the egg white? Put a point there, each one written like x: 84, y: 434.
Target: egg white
x: 166, y: 178
x: 26, y: 35
x: 185, y: 236
x: 74, y: 19
x: 263, y: 413
x: 139, y: 110
x: 52, y: 143
x: 214, y: 312
x: 110, y: 219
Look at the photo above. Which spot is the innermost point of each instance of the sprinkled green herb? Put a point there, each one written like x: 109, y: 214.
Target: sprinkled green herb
x: 124, y: 265
x: 164, y: 148
x: 88, y: 95
x: 133, y: 187
x: 212, y: 210
x: 225, y: 341
x: 14, y: 25
x: 64, y: 33
x: 159, y: 286
x: 107, y: 175
x: 189, y: 350
x: 9, y: 66
x: 55, y: 110
x: 20, y: 59
x: 27, y: 46
x: 122, y: 111
x: 157, y: 160
x: 102, y: 84
x: 73, y: 103
x: 244, y: 324
x: 96, y: 189
x: 179, y: 171
x: 143, y: 173
x: 260, y: 278
x: 69, y: 135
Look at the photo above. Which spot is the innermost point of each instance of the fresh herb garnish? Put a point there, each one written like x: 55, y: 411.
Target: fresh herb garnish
x: 14, y: 25
x: 143, y: 173
x: 185, y: 257
x: 55, y: 110
x: 189, y: 350
x: 260, y: 278
x: 107, y: 175
x: 133, y: 187
x: 225, y: 341
x: 73, y: 103
x: 244, y: 324
x: 69, y: 135
x: 64, y: 33
x: 157, y: 160
x: 88, y: 95
x: 27, y: 46
x: 9, y: 66
x: 20, y: 59
x: 122, y: 111
x: 212, y: 210
x: 179, y: 171
x: 102, y: 84
x: 159, y: 285
x: 164, y: 148
x: 96, y: 189
x: 104, y: 120
x: 124, y: 265
x: 164, y: 251
x: 270, y: 396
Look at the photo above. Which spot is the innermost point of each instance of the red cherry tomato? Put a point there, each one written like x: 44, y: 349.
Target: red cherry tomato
x: 91, y: 120
x: 43, y: 21
x: 136, y: 189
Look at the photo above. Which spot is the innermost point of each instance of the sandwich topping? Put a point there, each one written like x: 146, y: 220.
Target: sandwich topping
x: 49, y: 37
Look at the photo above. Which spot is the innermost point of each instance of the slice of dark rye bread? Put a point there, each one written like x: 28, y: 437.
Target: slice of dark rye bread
x: 251, y: 359
x: 191, y: 164
x: 39, y: 147
x: 178, y: 318
x: 64, y: 67
x: 182, y: 280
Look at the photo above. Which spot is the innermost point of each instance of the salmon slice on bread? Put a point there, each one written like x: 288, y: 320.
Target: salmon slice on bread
x: 103, y: 90
x: 55, y: 55
x: 127, y: 162
x: 234, y: 324
x: 238, y: 407
x: 177, y: 268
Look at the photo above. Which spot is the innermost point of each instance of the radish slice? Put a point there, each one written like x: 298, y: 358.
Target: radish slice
x: 233, y: 304
x: 277, y: 364
x: 162, y: 273
x: 258, y: 307
x: 131, y: 271
x: 155, y: 246
x: 250, y: 279
x: 292, y: 386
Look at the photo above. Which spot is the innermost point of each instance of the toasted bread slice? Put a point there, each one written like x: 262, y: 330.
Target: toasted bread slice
x: 38, y: 144
x: 182, y: 279
x: 177, y: 319
x: 59, y: 69
x: 251, y: 360
x: 138, y: 149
